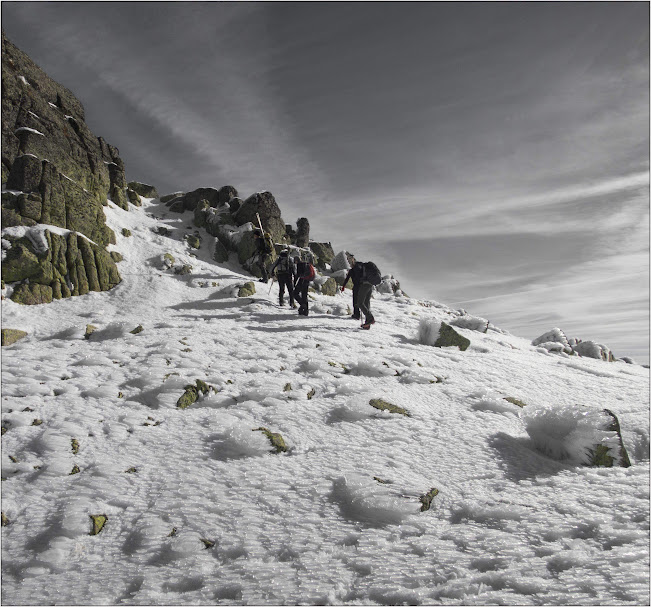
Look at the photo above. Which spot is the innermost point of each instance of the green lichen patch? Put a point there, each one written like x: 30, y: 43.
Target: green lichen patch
x: 246, y: 290
x: 75, y: 470
x: 193, y: 241
x: 311, y: 393
x: 75, y: 446
x: 192, y: 392
x: 126, y: 233
x: 90, y: 329
x: 131, y: 470
x: 515, y: 401
x: 381, y: 481
x: 5, y: 520
x: 99, y: 520
x: 426, y: 499
x: 37, y: 422
x: 138, y: 329
x: 382, y: 405
x: 11, y: 336
x: 207, y: 543
x: 172, y: 533
x: 449, y: 337
x: 276, y: 440
x: 116, y: 257
x: 288, y: 387
x: 13, y: 459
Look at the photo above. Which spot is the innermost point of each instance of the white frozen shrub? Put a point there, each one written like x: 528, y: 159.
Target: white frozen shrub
x: 569, y: 433
x: 555, y: 335
x: 339, y: 262
x: 428, y: 331
x: 364, y: 499
x: 468, y: 321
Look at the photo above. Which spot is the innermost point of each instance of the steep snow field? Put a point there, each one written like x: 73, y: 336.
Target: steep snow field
x: 199, y: 508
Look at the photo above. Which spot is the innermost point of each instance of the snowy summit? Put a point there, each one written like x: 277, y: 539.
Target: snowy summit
x: 314, y: 463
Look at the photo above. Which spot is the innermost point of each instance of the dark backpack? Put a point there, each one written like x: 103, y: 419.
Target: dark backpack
x: 284, y: 265
x: 372, y: 274
x: 305, y: 270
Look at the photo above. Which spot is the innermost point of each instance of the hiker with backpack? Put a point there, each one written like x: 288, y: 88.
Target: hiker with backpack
x: 285, y: 272
x: 264, y: 248
x: 354, y: 274
x: 304, y: 275
x: 370, y: 278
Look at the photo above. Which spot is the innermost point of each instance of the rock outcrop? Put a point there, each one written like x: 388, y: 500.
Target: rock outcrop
x: 57, y: 173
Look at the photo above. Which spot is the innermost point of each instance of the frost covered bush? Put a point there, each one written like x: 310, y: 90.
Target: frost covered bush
x: 572, y: 434
x: 474, y: 323
x: 555, y: 335
x: 339, y: 262
x: 428, y: 331
x: 362, y: 499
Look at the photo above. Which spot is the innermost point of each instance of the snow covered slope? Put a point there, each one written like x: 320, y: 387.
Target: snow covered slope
x: 198, y: 507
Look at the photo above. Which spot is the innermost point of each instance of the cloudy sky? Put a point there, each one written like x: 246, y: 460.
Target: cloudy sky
x: 492, y: 156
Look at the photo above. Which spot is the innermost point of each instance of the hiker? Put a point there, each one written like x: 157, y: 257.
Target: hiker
x: 304, y: 274
x: 370, y: 278
x: 354, y: 274
x: 285, y: 272
x: 263, y: 253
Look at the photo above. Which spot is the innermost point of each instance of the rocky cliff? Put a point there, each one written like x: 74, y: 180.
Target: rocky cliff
x: 55, y: 172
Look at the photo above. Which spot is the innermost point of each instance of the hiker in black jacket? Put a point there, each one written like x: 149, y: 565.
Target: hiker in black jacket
x: 354, y: 274
x: 285, y: 271
x: 371, y: 277
x: 304, y: 274
x: 262, y: 254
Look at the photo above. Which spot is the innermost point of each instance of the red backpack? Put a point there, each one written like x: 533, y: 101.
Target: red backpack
x: 306, y: 271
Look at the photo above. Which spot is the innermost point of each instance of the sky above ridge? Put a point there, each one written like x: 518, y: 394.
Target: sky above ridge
x: 493, y: 156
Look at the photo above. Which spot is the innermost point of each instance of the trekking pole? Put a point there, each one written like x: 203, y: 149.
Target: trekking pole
x: 272, y: 284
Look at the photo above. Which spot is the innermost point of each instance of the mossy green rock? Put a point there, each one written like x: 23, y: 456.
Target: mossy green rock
x: 126, y: 232
x: 246, y: 290
x: 602, y: 456
x: 449, y: 337
x: 276, y: 440
x: 426, y: 499
x: 329, y: 287
x: 382, y: 405
x: 143, y: 189
x: 134, y: 198
x: 192, y: 392
x: 193, y: 241
x: 89, y: 331
x: 220, y: 254
x: 99, y: 520
x: 11, y: 336
x: 32, y: 294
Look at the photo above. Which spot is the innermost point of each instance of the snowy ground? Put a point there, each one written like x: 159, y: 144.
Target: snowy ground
x: 509, y: 525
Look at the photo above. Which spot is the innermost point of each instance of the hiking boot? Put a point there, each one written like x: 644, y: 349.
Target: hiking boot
x: 366, y: 326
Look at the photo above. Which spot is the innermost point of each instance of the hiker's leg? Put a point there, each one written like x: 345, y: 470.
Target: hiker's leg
x: 365, y: 290
x: 355, y: 301
x: 281, y: 288
x: 290, y: 291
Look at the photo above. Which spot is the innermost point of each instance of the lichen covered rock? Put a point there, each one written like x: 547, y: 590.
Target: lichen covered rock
x: 11, y: 336
x: 246, y: 290
x: 276, y: 440
x: 192, y: 393
x: 383, y: 405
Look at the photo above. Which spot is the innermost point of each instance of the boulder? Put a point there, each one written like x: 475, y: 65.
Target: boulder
x: 555, y: 335
x: 383, y: 405
x: 264, y: 205
x: 133, y: 197
x: 142, y: 189
x: 329, y: 287
x: 340, y: 262
x: 226, y: 194
x: 11, y: 336
x: 246, y: 290
x: 169, y: 197
x: 591, y: 349
x: 302, y: 238
x: 62, y: 267
x: 323, y: 252
x: 220, y: 254
x: 433, y: 332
